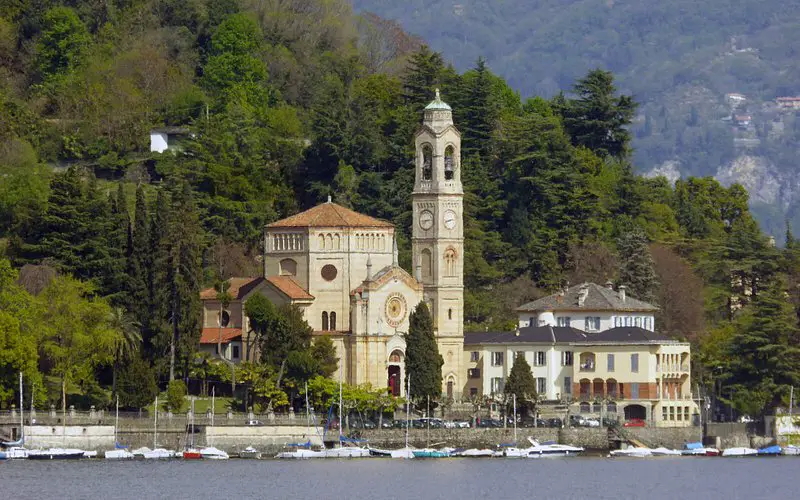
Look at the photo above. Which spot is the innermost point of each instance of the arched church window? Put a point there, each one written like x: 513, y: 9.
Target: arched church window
x: 322, y: 242
x: 333, y: 321
x: 449, y: 163
x: 426, y: 263
x: 427, y: 162
x: 324, y: 321
x: 450, y: 262
x: 288, y: 267
x: 337, y: 242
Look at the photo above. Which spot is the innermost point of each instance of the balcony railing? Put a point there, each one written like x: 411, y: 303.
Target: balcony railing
x: 587, y: 367
x: 673, y: 368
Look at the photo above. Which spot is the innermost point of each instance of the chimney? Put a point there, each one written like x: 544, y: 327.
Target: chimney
x: 584, y: 292
x: 622, y: 289
x: 516, y: 332
x: 609, y: 285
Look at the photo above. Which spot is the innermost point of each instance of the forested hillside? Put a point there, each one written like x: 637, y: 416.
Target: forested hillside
x: 284, y: 103
x: 678, y: 58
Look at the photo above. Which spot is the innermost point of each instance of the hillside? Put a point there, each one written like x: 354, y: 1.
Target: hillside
x: 678, y: 58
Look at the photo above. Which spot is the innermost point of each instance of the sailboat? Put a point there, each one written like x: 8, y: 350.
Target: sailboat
x: 192, y: 453
x: 119, y: 452
x: 791, y: 449
x: 405, y: 452
x: 209, y: 452
x: 60, y: 453
x: 342, y: 451
x: 156, y: 453
x: 303, y: 450
x: 16, y: 449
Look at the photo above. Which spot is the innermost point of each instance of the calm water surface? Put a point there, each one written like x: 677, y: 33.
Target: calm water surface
x: 580, y: 478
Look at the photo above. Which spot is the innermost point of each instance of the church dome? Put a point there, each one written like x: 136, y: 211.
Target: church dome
x: 438, y: 104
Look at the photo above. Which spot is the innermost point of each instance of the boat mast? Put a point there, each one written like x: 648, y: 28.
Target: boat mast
x: 155, y: 423
x: 212, y: 415
x: 116, y: 422
x: 791, y: 422
x: 514, y: 416
x: 340, y: 404
x: 408, y: 405
x: 64, y: 411
x: 192, y: 422
x: 308, y: 417
x: 22, y: 411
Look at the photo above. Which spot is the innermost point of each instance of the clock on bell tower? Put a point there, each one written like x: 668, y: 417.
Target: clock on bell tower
x: 438, y: 230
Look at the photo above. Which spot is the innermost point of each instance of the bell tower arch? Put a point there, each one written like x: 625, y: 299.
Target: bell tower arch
x: 438, y: 229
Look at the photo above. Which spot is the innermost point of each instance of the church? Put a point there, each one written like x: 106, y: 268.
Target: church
x: 340, y: 268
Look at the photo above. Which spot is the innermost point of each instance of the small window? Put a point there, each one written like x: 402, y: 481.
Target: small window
x: 474, y: 373
x: 324, y: 321
x: 226, y: 319
x: 473, y: 392
x: 497, y: 385
x: 686, y: 413
x: 566, y: 358
x: 541, y: 385
x: 564, y: 321
x: 567, y: 386
x: 634, y: 390
x: 333, y: 321
x: 663, y: 413
x: 592, y: 323
x: 329, y: 272
x: 638, y: 321
x: 450, y: 313
x: 474, y: 356
x: 610, y: 362
x: 635, y: 363
x: 541, y: 358
x: 497, y: 358
x: 672, y: 413
x: 236, y: 352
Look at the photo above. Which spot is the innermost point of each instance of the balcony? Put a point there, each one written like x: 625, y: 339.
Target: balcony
x: 586, y: 363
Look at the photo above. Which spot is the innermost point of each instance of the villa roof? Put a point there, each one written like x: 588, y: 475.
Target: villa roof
x: 330, y: 215
x: 210, y: 335
x: 567, y: 335
x: 598, y: 298
x: 238, y: 288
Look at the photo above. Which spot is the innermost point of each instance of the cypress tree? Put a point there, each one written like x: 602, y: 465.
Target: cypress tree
x: 95, y: 258
x: 118, y: 240
x: 636, y: 270
x: 157, y: 275
x: 138, y: 255
x: 521, y: 383
x: 423, y: 361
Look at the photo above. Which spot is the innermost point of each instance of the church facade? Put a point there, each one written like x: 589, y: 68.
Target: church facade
x: 341, y: 269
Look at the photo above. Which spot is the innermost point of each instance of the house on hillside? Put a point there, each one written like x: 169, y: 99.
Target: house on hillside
x: 167, y: 139
x: 735, y: 99
x: 788, y: 103
x: 594, y: 349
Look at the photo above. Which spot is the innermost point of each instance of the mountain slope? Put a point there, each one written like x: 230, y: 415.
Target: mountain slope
x: 679, y: 58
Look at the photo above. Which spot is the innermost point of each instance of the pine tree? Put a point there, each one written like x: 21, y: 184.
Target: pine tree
x: 637, y: 271
x: 763, y: 353
x: 138, y: 257
x: 157, y: 266
x: 598, y: 119
x: 790, y: 241
x: 478, y: 114
x: 521, y: 383
x: 95, y: 258
x: 118, y: 239
x: 423, y: 361
x: 422, y: 76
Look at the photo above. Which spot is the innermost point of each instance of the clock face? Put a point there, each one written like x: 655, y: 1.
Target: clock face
x: 450, y: 219
x: 395, y: 309
x: 426, y: 219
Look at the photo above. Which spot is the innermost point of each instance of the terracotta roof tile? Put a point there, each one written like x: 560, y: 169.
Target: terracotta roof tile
x: 210, y: 335
x: 290, y: 287
x: 239, y: 287
x: 330, y: 215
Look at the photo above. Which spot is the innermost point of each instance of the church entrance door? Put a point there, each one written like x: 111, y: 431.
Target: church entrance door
x: 394, y: 381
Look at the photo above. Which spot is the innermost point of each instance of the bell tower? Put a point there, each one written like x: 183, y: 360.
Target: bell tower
x: 438, y: 234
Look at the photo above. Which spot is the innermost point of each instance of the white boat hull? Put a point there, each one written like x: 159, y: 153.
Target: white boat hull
x: 791, y: 450
x: 739, y: 452
x: 211, y: 453
x: 301, y: 454
x: 347, y: 452
x: 632, y: 452
x: 16, y: 453
x: 118, y: 455
x: 665, y: 452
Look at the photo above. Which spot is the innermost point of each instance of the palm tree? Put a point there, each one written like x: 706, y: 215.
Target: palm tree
x: 129, y: 340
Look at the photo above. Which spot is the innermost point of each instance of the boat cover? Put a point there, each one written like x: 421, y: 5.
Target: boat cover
x: 770, y: 450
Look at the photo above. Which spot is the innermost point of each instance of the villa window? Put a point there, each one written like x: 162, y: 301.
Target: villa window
x: 567, y: 386
x: 236, y: 352
x: 566, y: 358
x: 474, y: 356
x: 497, y: 358
x: 541, y: 385
x: 564, y: 321
x: 592, y: 323
x: 540, y: 359
x: 497, y: 385
x: 610, y: 362
x: 635, y: 363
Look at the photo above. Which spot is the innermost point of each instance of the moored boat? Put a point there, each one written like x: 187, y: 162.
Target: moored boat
x: 118, y: 454
x: 430, y: 453
x: 16, y: 452
x: 665, y: 452
x: 791, y: 450
x: 301, y: 454
x: 473, y: 453
x: 739, y: 451
x: 770, y: 451
x: 211, y: 453
x: 250, y: 453
x: 161, y: 454
x: 191, y: 454
x: 56, y: 454
x: 632, y: 452
x: 552, y: 449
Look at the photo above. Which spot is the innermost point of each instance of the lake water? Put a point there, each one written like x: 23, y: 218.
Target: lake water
x: 580, y: 478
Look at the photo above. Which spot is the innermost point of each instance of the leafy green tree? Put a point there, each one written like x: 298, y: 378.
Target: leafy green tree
x: 63, y: 43
x: 323, y: 350
x: 598, y: 119
x: 764, y: 360
x: 137, y: 384
x: 423, y: 361
x: 176, y: 395
x: 520, y: 383
x: 636, y: 267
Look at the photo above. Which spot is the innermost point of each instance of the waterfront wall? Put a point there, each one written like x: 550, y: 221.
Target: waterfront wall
x: 90, y: 437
